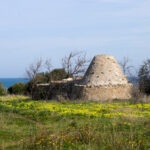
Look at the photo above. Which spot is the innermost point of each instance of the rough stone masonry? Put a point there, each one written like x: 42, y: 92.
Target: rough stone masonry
x: 102, y: 81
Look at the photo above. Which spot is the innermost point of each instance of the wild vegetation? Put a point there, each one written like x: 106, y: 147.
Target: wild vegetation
x: 61, y: 125
x: 3, y: 91
x: 27, y: 124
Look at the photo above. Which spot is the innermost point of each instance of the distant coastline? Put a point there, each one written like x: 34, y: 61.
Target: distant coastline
x: 7, y: 82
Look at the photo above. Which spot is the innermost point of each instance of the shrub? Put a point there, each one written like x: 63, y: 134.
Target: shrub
x: 3, y: 91
x: 28, y: 88
x: 18, y: 88
x: 144, y: 77
x: 57, y: 74
x: 40, y: 78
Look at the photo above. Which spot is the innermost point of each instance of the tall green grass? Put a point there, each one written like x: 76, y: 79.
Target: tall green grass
x: 40, y: 125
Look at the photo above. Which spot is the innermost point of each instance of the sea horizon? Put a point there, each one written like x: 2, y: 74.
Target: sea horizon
x: 7, y: 82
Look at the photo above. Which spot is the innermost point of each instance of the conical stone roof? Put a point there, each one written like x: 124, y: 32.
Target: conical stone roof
x: 104, y: 70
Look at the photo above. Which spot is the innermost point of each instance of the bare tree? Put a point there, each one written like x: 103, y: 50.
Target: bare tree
x: 130, y: 71
x: 126, y: 68
x: 48, y: 66
x: 32, y: 73
x: 34, y: 69
x: 75, y: 63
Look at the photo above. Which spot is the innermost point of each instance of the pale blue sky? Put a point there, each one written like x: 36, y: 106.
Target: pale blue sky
x: 30, y: 29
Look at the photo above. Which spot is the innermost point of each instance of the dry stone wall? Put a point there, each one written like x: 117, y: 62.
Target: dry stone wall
x: 102, y: 93
x: 102, y: 81
x: 104, y: 70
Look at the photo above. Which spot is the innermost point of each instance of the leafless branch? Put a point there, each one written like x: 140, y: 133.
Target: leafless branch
x: 126, y: 68
x: 34, y: 69
x: 75, y: 63
x: 48, y: 65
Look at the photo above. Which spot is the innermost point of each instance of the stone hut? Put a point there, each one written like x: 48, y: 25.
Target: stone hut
x: 102, y: 81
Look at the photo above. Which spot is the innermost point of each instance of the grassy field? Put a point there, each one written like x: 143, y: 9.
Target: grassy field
x: 44, y: 125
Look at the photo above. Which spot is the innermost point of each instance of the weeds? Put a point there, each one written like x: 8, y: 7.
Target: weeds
x: 27, y: 124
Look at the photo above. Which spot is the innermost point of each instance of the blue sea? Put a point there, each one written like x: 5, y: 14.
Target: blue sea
x: 7, y: 82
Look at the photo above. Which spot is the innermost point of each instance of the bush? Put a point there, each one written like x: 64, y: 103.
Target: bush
x: 18, y: 88
x: 3, y: 91
x: 144, y: 77
x: 28, y: 89
x: 40, y: 78
x: 56, y: 74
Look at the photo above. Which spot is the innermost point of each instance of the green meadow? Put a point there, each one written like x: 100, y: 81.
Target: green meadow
x: 42, y: 125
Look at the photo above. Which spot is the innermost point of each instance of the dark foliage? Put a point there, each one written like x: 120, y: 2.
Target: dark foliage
x: 144, y: 77
x: 18, y: 88
x: 56, y: 74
